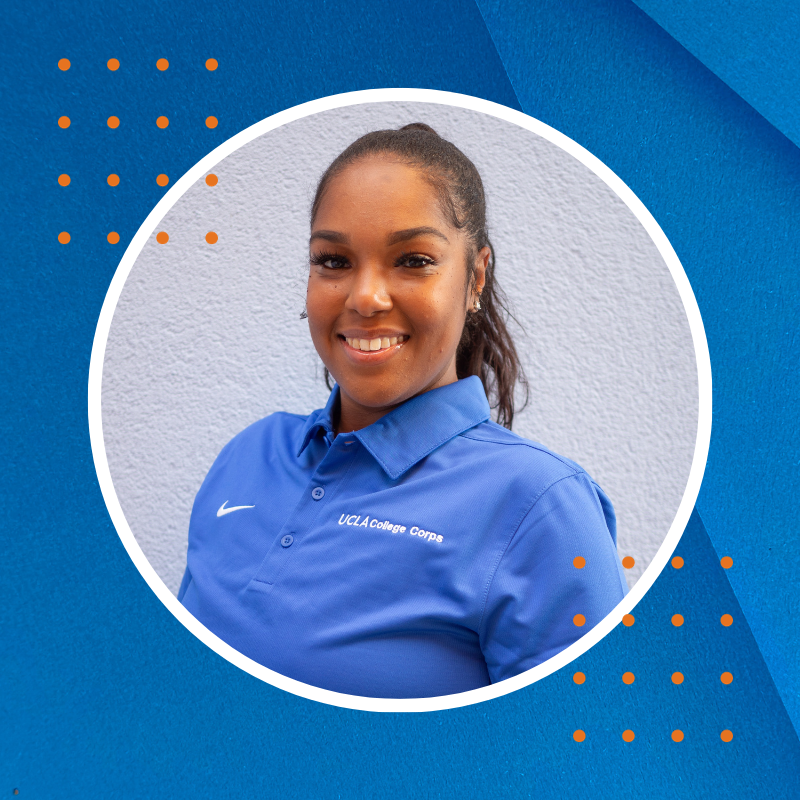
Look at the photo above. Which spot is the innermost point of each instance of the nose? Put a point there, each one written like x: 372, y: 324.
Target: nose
x: 369, y: 291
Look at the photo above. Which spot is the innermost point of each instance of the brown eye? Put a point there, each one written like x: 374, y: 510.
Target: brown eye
x: 329, y: 261
x: 414, y: 260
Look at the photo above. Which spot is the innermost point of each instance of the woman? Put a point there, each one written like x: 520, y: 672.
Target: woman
x: 399, y: 543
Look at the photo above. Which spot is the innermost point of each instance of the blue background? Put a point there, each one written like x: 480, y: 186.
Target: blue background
x: 105, y: 694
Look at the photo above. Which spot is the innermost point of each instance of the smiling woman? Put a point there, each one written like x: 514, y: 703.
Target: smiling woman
x: 399, y: 543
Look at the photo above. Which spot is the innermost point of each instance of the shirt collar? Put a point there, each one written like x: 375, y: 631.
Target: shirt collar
x: 411, y: 431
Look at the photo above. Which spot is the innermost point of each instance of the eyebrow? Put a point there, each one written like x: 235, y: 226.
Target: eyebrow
x: 395, y: 238
x: 411, y: 233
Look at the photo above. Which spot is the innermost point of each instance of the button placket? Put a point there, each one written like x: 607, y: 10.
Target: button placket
x: 304, y: 514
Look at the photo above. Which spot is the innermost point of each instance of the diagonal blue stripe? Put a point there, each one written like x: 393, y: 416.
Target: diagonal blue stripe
x: 749, y: 44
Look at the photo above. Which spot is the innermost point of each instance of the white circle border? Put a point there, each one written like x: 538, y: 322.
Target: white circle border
x: 695, y: 474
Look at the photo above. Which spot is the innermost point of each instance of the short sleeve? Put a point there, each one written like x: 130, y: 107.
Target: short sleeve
x: 537, y: 592
x: 187, y: 579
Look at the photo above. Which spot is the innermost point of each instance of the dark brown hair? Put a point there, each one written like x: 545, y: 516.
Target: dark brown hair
x: 486, y: 348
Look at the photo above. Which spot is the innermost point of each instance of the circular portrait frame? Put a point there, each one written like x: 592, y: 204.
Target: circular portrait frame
x: 696, y: 329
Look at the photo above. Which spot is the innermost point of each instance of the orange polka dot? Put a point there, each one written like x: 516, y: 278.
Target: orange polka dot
x: 677, y: 677
x: 726, y: 620
x: 64, y: 64
x: 677, y: 736
x: 64, y: 237
x: 579, y: 736
x: 727, y: 562
x: 677, y: 562
x: 113, y: 180
x: 113, y: 64
x: 162, y: 179
x: 211, y: 180
x: 162, y: 122
x: 212, y: 237
x: 113, y: 122
x: 677, y: 620
x: 726, y: 678
x: 628, y: 677
x: 579, y: 620
x: 63, y: 180
x: 162, y: 237
x: 726, y: 736
x: 64, y: 122
x: 579, y: 678
x: 211, y: 64
x: 113, y: 237
x: 628, y: 620
x: 628, y: 736
x: 579, y: 562
x: 162, y: 64
x: 628, y: 562
x: 211, y: 122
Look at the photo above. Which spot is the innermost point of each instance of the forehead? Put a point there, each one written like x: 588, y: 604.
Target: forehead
x: 380, y: 188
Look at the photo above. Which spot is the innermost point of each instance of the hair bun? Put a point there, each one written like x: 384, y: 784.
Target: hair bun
x: 419, y: 126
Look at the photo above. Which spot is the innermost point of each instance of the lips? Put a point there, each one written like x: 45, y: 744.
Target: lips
x: 372, y: 344
x: 372, y: 350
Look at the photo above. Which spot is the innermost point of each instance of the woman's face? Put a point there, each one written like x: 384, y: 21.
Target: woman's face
x: 387, y: 293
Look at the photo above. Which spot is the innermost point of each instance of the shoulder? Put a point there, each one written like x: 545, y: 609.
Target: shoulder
x: 493, y: 441
x: 278, y: 430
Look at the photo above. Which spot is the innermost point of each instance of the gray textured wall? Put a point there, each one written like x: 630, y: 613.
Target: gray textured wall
x: 207, y: 338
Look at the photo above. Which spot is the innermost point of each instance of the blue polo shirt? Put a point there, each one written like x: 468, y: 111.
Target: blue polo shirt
x: 427, y: 554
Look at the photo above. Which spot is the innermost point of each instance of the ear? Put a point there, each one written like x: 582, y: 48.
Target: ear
x: 481, y: 265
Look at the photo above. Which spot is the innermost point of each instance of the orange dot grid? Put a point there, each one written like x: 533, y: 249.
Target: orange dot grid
x: 212, y: 237
x: 64, y: 180
x: 64, y: 122
x: 677, y: 736
x: 579, y: 736
x: 113, y: 180
x: 677, y: 562
x: 677, y: 620
x: 628, y: 562
x: 211, y: 64
x: 113, y: 122
x: 211, y: 180
x: 726, y: 736
x: 162, y: 122
x: 162, y: 237
x: 579, y: 678
x: 113, y: 237
x: 113, y: 64
x: 162, y: 179
x: 727, y: 562
x: 628, y: 677
x: 212, y: 122
x: 628, y: 736
x: 64, y: 64
x: 162, y: 64
x: 64, y: 237
x: 579, y: 620
x: 628, y: 620
x: 726, y: 678
x: 726, y: 620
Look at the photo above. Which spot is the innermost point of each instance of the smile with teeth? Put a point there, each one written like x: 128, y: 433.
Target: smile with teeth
x: 380, y: 343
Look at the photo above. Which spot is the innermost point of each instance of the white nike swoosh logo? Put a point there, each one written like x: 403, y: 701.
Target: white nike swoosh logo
x: 223, y: 511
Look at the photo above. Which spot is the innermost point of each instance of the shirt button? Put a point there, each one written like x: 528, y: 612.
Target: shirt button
x: 318, y: 493
x: 287, y: 540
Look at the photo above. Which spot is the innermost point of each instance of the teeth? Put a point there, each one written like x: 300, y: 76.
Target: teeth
x: 379, y: 343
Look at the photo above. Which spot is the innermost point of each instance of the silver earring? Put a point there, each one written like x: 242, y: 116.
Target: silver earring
x: 478, y: 304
